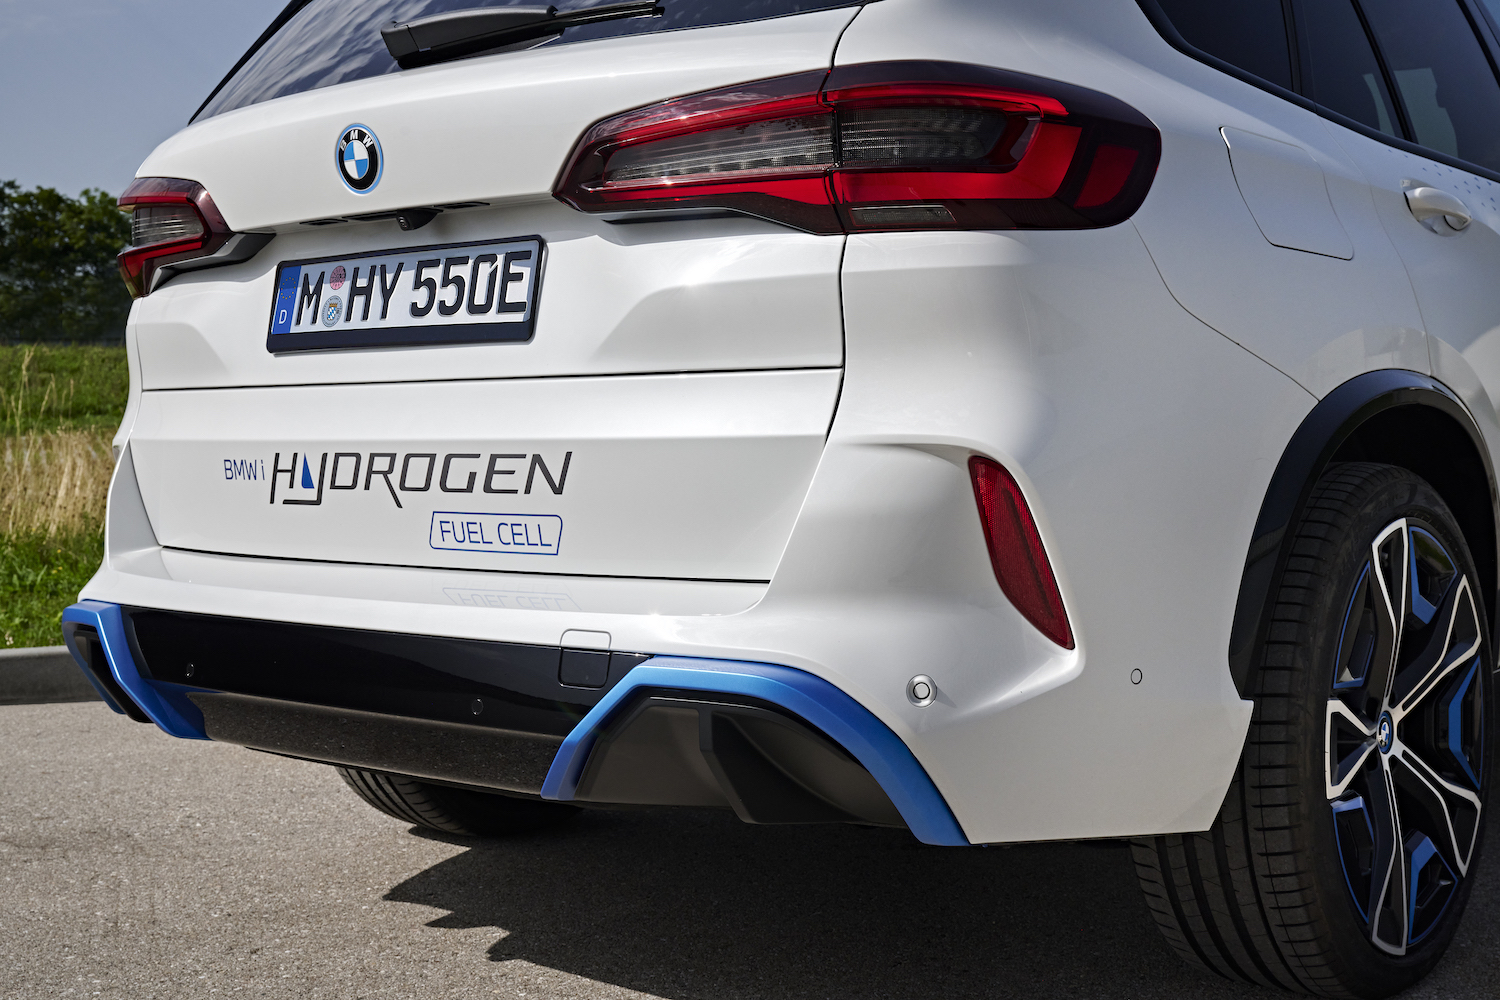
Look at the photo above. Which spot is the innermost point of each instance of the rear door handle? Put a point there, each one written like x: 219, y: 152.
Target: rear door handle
x: 1438, y: 210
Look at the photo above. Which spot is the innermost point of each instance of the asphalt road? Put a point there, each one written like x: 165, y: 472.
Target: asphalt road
x: 134, y: 865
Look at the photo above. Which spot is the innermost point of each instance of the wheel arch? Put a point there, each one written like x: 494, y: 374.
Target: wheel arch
x: 1397, y: 417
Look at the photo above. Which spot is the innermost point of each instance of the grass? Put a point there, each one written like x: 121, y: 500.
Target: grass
x: 39, y: 576
x: 67, y: 387
x: 55, y: 482
x: 59, y: 407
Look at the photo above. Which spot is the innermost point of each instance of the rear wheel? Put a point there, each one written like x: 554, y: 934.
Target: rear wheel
x: 458, y: 811
x: 1340, y: 862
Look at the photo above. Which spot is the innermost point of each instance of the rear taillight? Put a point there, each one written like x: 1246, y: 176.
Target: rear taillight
x: 171, y: 220
x: 1016, y: 552
x: 878, y: 146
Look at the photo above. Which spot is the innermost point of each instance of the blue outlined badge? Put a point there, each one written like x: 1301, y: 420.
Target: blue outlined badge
x: 503, y: 534
x: 358, y: 159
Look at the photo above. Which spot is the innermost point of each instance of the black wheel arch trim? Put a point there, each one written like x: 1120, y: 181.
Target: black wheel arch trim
x: 1330, y: 427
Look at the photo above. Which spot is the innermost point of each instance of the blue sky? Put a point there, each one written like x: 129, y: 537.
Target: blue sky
x: 89, y: 87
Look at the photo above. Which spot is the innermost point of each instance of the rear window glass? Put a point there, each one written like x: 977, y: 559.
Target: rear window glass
x: 1493, y: 8
x: 336, y: 41
x: 1249, y: 34
x: 1342, y: 72
x: 1443, y: 78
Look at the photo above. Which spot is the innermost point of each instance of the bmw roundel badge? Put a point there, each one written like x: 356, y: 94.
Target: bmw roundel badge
x: 358, y: 159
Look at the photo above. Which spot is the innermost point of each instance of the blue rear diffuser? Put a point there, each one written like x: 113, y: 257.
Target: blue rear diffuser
x: 816, y: 701
x: 179, y: 719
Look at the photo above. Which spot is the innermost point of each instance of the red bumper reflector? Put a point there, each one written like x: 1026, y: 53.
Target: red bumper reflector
x: 1016, y: 552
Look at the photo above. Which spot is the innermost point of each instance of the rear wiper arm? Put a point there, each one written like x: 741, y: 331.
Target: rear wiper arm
x: 460, y: 33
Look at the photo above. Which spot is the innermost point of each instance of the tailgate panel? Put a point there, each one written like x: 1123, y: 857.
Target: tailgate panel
x: 493, y: 132
x: 711, y: 295
x: 688, y: 477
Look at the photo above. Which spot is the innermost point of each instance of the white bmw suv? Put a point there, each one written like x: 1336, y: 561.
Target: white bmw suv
x: 1007, y: 420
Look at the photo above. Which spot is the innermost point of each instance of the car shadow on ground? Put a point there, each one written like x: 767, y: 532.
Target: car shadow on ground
x: 686, y: 904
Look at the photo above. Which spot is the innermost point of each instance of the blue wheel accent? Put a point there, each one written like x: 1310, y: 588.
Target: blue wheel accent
x: 816, y: 701
x: 1430, y: 888
x: 1421, y: 607
x: 1356, y: 645
x: 1456, y: 724
x: 173, y: 713
x: 1405, y: 728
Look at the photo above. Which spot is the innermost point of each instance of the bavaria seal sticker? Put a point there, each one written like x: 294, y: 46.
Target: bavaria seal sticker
x: 358, y: 159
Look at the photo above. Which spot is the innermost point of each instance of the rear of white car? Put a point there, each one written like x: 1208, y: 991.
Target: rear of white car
x: 773, y: 407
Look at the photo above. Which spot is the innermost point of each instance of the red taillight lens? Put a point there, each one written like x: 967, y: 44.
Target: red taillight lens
x: 879, y: 146
x: 171, y: 220
x: 1016, y: 552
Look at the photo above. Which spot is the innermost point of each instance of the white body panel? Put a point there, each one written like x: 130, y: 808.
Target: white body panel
x: 1141, y: 382
x: 1287, y: 194
x: 666, y: 476
x: 712, y: 295
x: 1453, y: 273
x: 885, y: 574
x: 520, y: 112
x: 1319, y: 319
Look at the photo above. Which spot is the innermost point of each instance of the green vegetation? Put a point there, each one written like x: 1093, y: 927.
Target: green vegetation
x: 49, y: 388
x: 59, y: 407
x: 58, y: 277
x: 39, y: 576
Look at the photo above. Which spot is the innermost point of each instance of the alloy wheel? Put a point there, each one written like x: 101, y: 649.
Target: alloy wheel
x: 1404, y: 732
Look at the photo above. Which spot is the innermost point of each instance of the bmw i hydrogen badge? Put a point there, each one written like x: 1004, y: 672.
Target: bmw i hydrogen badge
x: 358, y: 159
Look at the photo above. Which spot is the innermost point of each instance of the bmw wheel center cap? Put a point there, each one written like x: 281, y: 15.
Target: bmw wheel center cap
x: 1385, y: 733
x: 358, y: 159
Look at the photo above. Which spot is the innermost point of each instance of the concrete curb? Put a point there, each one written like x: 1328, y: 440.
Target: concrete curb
x: 42, y: 675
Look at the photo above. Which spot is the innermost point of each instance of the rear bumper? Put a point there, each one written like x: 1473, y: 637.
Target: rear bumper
x: 773, y: 743
x: 1142, y: 440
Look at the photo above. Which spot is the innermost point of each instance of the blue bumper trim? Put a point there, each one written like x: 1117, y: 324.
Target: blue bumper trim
x: 168, y: 709
x: 88, y: 675
x: 815, y: 700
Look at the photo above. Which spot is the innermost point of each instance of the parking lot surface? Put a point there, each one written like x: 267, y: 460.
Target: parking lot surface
x: 135, y: 865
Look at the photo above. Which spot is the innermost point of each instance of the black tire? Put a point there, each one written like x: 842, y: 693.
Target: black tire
x: 460, y: 811
x: 1307, y: 844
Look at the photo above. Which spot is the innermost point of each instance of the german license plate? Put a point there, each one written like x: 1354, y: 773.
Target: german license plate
x: 451, y: 294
